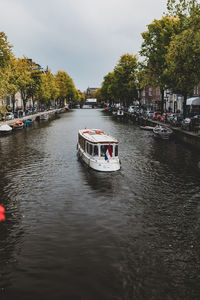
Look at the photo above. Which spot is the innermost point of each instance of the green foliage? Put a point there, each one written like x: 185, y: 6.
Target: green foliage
x: 125, y: 78
x: 66, y: 87
x: 5, y: 50
x: 27, y: 77
x: 182, y: 8
x: 5, y: 56
x: 154, y: 49
x: 183, y: 55
x: 121, y: 84
x: 107, y: 90
x: 97, y: 95
x: 155, y: 46
x: 183, y: 59
x: 24, y: 80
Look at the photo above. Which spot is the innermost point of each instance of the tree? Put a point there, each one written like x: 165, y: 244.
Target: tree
x: 182, y: 8
x: 44, y: 93
x: 107, y: 91
x: 141, y: 79
x: 154, y: 49
x: 97, y: 95
x: 124, y: 83
x: 34, y: 86
x: 5, y: 56
x: 24, y: 80
x: 11, y: 76
x: 5, y: 50
x: 183, y: 56
x: 66, y: 87
x: 183, y: 59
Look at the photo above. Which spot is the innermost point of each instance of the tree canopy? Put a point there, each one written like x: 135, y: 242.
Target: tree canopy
x: 27, y: 77
x: 120, y: 85
x: 154, y: 48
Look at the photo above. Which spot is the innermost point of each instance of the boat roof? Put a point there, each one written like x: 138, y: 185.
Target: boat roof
x: 97, y: 136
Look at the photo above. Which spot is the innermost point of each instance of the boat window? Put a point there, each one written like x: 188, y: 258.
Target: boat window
x: 89, y: 148
x: 96, y: 152
x: 116, y: 150
x: 104, y: 148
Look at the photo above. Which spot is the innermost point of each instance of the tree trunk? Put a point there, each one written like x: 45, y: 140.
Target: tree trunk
x: 13, y: 103
x: 184, y: 105
x: 162, y: 100
x: 24, y: 104
x: 33, y: 101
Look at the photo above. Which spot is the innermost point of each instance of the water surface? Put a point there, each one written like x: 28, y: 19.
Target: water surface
x: 74, y: 233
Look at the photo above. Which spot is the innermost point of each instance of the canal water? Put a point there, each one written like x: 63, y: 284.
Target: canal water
x: 73, y: 233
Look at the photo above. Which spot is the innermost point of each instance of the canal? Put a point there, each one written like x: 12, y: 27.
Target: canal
x: 73, y: 233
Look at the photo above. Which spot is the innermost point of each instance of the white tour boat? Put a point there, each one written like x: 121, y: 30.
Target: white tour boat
x: 98, y: 150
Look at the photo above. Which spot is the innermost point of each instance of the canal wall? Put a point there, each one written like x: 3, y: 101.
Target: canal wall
x: 191, y: 138
x: 34, y: 117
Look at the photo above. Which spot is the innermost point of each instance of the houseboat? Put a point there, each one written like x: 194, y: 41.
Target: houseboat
x: 98, y: 150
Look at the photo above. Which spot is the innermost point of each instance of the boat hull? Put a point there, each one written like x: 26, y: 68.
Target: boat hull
x: 147, y: 128
x: 99, y: 163
x: 161, y: 132
x: 5, y: 130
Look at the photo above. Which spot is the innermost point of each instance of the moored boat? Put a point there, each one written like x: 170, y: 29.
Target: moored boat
x: 44, y: 116
x: 98, y: 150
x: 28, y: 122
x: 58, y: 111
x: 147, y: 127
x: 120, y: 112
x: 162, y: 132
x: 17, y: 125
x: 5, y: 129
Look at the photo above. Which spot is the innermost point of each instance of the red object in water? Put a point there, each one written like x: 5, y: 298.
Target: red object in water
x: 2, y: 213
x: 2, y: 217
x: 2, y: 209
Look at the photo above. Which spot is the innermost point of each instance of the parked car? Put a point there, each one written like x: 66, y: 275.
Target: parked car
x: 9, y: 116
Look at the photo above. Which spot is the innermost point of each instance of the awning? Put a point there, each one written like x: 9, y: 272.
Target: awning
x: 193, y: 101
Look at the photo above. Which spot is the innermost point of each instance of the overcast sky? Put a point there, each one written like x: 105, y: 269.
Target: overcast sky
x: 85, y: 38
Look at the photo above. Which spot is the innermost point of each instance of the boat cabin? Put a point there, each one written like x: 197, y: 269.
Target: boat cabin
x: 95, y: 143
